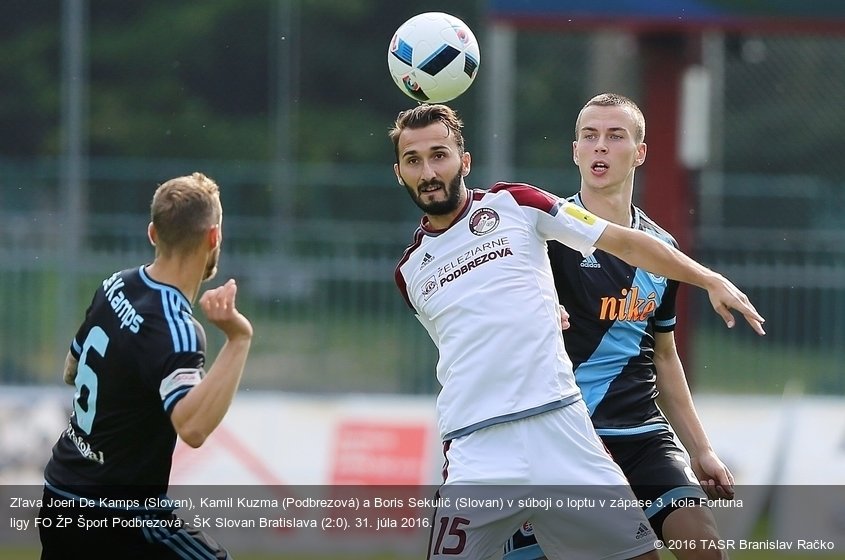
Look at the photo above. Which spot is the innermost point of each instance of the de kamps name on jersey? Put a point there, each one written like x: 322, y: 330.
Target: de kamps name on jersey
x: 120, y: 303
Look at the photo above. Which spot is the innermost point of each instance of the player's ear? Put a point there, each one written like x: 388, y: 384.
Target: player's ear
x: 575, y: 152
x: 641, y: 152
x: 466, y: 164
x: 151, y: 234
x: 398, y: 176
x: 215, y: 236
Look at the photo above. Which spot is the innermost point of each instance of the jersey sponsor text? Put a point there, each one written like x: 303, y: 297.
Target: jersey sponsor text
x: 83, y: 446
x: 477, y: 261
x: 629, y: 307
x: 471, y: 255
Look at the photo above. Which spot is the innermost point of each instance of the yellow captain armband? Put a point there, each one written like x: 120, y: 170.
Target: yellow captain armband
x: 577, y: 212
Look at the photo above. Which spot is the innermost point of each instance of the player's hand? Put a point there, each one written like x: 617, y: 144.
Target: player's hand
x: 218, y: 305
x: 724, y: 296
x: 715, y: 478
x: 564, y: 318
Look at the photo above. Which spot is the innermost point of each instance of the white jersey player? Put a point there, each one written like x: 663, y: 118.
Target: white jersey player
x: 465, y: 282
x: 517, y: 436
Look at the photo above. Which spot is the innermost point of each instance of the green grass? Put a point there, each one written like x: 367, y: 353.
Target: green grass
x: 723, y: 362
x: 341, y: 354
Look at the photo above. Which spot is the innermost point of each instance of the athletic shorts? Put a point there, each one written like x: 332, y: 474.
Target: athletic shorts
x: 76, y: 532
x: 658, y: 473
x: 549, y: 470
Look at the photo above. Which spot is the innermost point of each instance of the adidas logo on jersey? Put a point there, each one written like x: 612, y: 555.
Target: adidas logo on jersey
x: 643, y: 531
x: 590, y: 262
x: 427, y: 258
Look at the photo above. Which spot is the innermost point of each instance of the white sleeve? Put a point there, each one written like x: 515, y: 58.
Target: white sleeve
x: 571, y: 225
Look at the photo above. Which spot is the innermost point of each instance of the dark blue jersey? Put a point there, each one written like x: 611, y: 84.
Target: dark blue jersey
x: 614, y: 311
x: 140, y: 350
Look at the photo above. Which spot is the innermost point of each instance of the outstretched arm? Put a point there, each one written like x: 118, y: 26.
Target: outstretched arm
x: 676, y: 403
x: 644, y: 251
x: 204, y: 406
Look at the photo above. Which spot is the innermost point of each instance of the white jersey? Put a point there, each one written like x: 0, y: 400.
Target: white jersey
x: 483, y: 289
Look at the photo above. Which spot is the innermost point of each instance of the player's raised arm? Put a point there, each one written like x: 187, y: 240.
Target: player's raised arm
x: 203, y: 408
x: 643, y: 251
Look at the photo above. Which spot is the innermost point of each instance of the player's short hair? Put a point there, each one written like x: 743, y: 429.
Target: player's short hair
x: 182, y: 211
x: 616, y: 100
x: 423, y: 115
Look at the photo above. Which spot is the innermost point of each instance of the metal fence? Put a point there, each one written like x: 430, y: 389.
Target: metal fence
x: 329, y: 318
x: 789, y: 257
x: 320, y: 292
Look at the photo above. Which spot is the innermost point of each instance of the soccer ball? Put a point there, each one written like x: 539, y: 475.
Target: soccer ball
x: 433, y: 57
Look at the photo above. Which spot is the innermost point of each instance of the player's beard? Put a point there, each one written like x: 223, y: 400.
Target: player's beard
x: 439, y: 207
x: 211, y: 264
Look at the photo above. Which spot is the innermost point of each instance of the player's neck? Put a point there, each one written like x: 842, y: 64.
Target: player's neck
x: 614, y: 205
x: 179, y: 272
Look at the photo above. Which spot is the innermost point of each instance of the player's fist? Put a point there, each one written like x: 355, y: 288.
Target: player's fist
x: 564, y: 318
x: 218, y: 305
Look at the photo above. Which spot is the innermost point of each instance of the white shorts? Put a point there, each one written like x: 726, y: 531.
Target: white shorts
x: 550, y: 470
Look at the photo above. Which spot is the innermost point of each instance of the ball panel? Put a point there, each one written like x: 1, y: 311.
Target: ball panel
x: 413, y: 89
x: 403, y: 51
x: 439, y: 59
x: 470, y: 66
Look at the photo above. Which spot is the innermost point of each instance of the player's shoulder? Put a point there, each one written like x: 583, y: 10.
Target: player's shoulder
x: 644, y: 223
x: 173, y: 326
x: 409, y: 254
x: 524, y: 194
x: 120, y: 288
x: 160, y: 295
x: 120, y: 278
x: 118, y: 308
x: 153, y: 295
x: 515, y: 189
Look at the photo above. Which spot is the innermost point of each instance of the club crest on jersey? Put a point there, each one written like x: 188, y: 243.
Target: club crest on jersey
x: 429, y: 287
x: 483, y: 221
x: 527, y: 529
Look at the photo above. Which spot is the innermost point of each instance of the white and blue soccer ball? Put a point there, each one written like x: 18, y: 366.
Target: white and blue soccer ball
x: 433, y: 57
